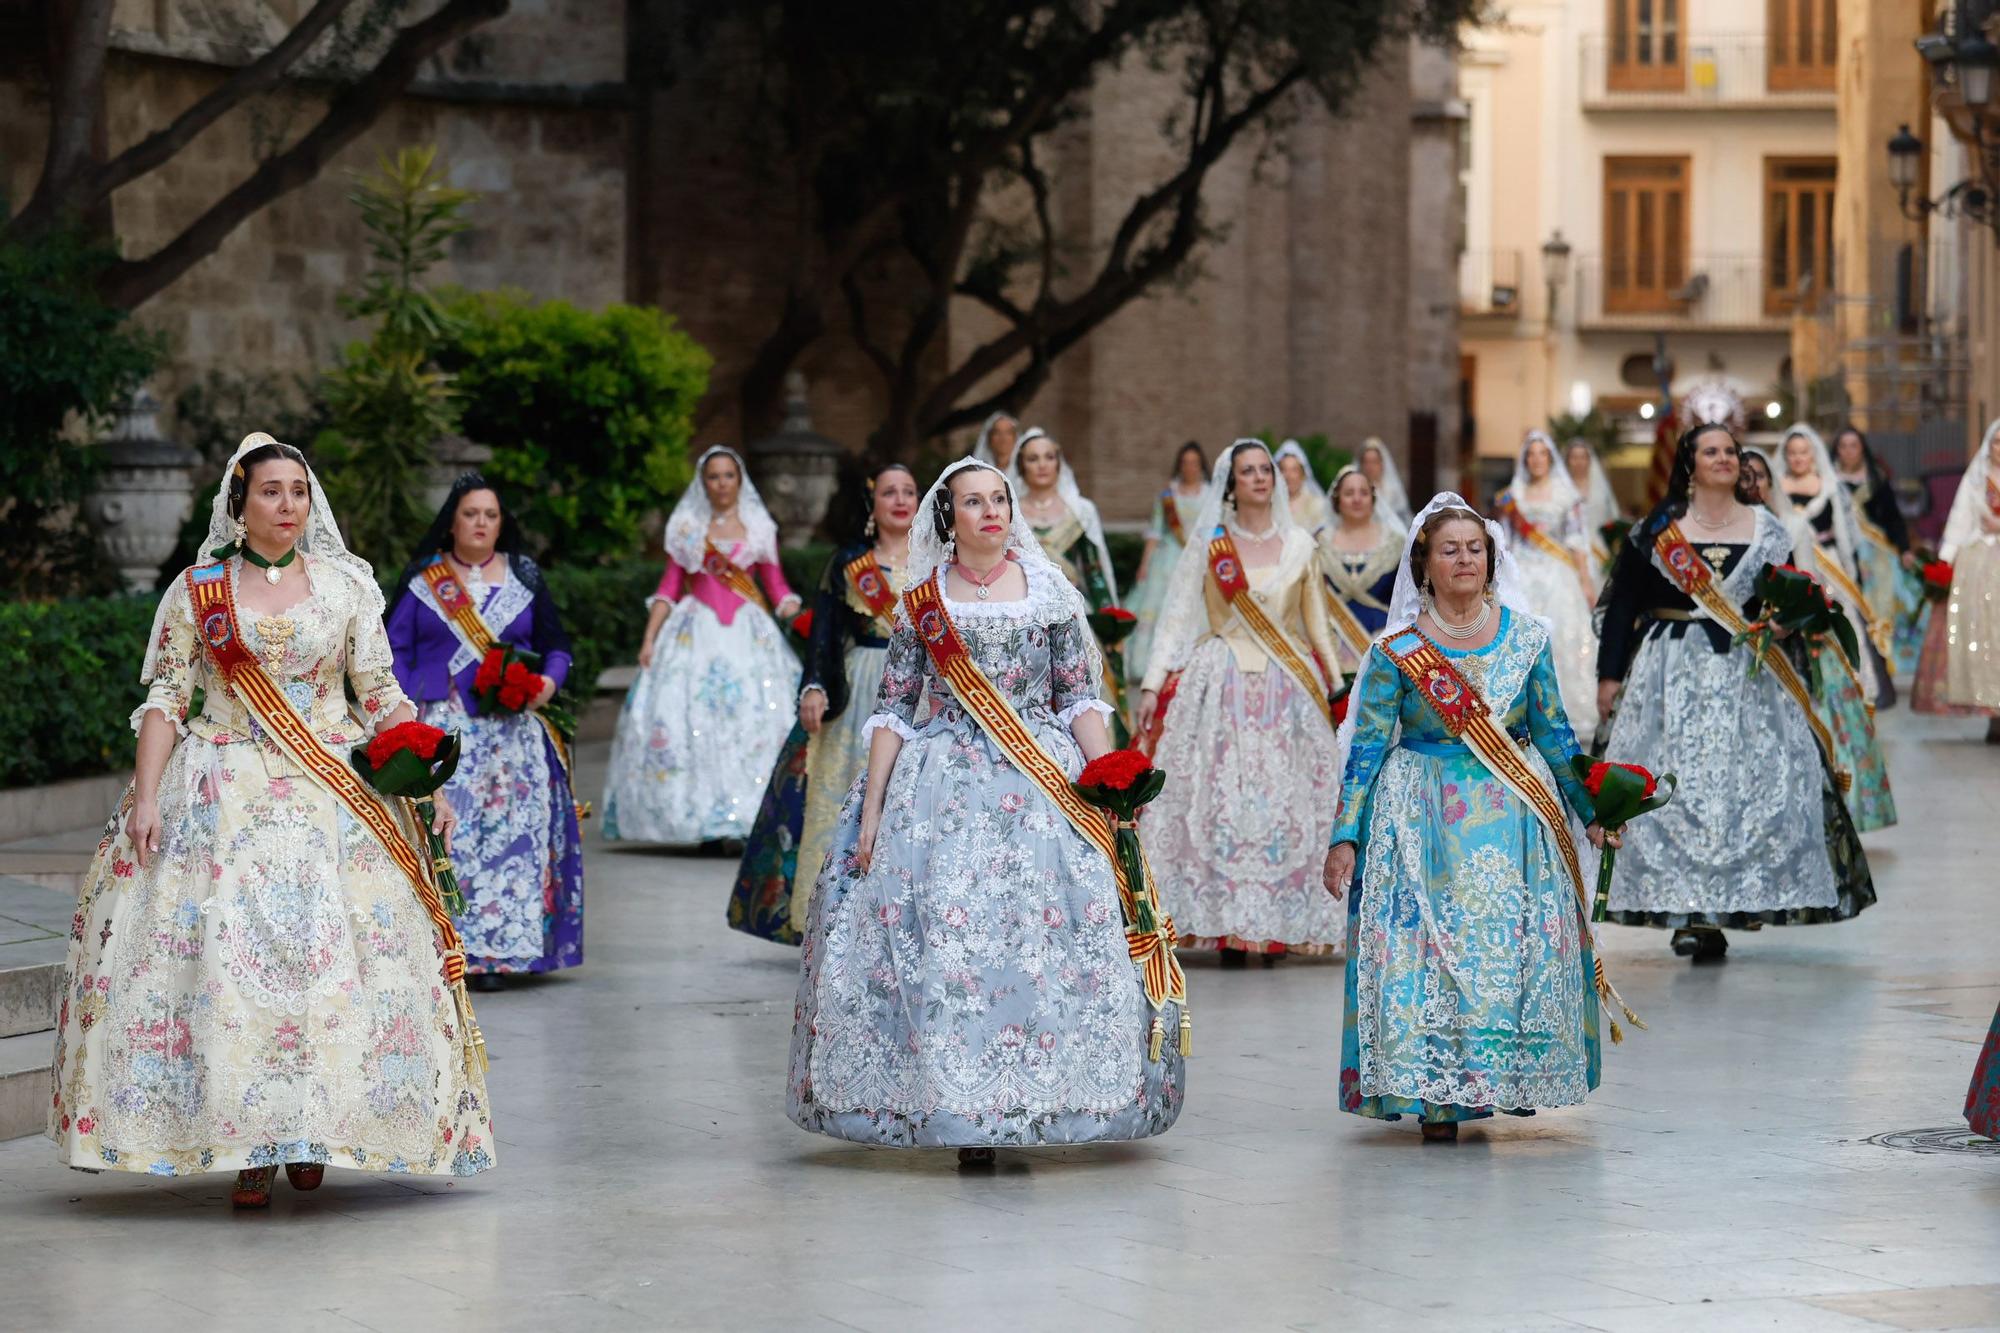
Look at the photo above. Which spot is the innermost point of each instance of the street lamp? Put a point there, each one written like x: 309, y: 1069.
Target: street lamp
x: 1976, y: 59
x: 1966, y: 199
x: 1906, y: 155
x: 1555, y: 267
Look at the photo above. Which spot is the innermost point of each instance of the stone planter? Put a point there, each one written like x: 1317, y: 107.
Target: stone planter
x: 451, y: 458
x: 144, y: 490
x: 797, y: 469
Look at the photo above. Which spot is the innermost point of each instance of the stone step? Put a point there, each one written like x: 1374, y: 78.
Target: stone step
x: 24, y: 1083
x: 54, y: 862
x: 34, y: 944
x: 28, y: 996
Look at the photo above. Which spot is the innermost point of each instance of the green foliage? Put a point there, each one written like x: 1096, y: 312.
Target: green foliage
x: 1326, y: 458
x: 588, y: 413
x: 62, y: 351
x: 81, y: 727
x: 1600, y: 430
x: 388, y: 404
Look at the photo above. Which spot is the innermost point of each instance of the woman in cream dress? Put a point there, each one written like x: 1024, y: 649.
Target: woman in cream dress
x: 1959, y: 671
x: 1542, y: 515
x: 1237, y: 836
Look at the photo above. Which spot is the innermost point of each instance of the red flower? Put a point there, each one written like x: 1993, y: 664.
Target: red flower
x: 1938, y: 572
x: 1118, y: 770
x: 1118, y: 613
x: 802, y: 624
x: 1340, y: 708
x: 488, y: 675
x: 517, y: 674
x: 414, y: 736
x: 1594, y: 784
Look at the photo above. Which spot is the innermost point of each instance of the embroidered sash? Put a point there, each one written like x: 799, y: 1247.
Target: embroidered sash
x: 1693, y: 576
x: 719, y: 566
x: 215, y: 616
x: 1467, y: 717
x: 1351, y: 631
x: 1880, y: 632
x: 864, y: 574
x: 464, y: 617
x: 1170, y: 510
x: 1533, y: 533
x: 1058, y: 541
x: 1152, y: 951
x: 1226, y: 568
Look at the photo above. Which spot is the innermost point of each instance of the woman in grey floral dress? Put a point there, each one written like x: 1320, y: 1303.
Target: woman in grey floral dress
x: 965, y: 976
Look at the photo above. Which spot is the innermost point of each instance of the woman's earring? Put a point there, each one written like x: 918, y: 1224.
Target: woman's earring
x: 241, y: 532
x: 869, y: 530
x: 951, y: 550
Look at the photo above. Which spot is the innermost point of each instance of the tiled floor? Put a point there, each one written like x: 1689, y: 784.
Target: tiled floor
x: 1720, y: 1179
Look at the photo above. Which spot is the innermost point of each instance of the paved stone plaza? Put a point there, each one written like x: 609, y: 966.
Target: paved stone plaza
x: 1723, y: 1177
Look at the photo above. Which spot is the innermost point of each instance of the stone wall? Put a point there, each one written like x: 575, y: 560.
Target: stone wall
x: 527, y: 112
x: 1437, y: 211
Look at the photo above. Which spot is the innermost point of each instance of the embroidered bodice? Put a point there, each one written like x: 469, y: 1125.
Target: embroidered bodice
x: 1036, y: 650
x: 310, y: 650
x: 1641, y: 585
x: 1515, y: 674
x: 1363, y: 577
x: 433, y: 656
x: 1289, y: 593
x: 715, y: 593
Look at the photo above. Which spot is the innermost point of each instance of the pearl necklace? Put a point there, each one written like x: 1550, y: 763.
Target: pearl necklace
x: 1467, y: 630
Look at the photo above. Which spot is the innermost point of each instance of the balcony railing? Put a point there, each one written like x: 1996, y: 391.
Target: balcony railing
x: 1489, y: 283
x: 1705, y: 292
x: 1705, y: 70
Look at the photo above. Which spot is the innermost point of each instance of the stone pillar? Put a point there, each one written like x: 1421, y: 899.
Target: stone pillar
x: 451, y: 458
x: 797, y: 468
x: 143, y: 491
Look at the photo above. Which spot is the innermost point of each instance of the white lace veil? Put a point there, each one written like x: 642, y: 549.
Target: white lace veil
x: 321, y: 543
x: 1184, y: 613
x: 1405, y: 603
x: 687, y: 528
x: 1085, y: 511
x: 982, y: 448
x: 1382, y: 518
x: 1390, y: 497
x: 1962, y: 524
x: 1563, y: 488
x: 1830, y: 487
x: 930, y: 553
x: 1600, y: 502
x: 1317, y: 505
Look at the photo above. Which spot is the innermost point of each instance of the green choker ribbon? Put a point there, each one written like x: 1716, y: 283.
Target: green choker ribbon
x: 270, y: 567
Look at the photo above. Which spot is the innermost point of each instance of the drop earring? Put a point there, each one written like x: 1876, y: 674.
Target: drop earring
x: 239, y: 530
x: 868, y: 530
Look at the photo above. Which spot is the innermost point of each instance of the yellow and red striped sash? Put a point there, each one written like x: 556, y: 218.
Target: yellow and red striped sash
x: 1533, y: 533
x: 1351, y: 631
x: 1226, y: 568
x: 864, y: 574
x: 1880, y: 632
x: 1693, y: 576
x: 1170, y: 510
x: 215, y: 616
x: 1153, y: 951
x: 457, y: 603
x: 719, y: 566
x: 1467, y: 717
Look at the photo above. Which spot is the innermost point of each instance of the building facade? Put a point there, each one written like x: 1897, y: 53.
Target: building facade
x: 1650, y: 196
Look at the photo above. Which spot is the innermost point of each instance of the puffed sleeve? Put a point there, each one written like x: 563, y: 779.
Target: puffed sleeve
x: 1378, y: 701
x: 671, y: 583
x: 548, y: 638
x: 1549, y: 729
x: 175, y: 661
x: 1074, y: 671
x: 772, y: 575
x: 902, y: 684
x: 371, y: 669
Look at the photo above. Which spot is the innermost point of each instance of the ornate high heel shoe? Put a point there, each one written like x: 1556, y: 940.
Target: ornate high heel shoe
x: 253, y: 1187
x: 304, y: 1176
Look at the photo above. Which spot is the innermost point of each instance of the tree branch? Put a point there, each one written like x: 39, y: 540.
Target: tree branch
x: 80, y: 32
x: 857, y: 320
x: 256, y: 77
x: 129, y: 283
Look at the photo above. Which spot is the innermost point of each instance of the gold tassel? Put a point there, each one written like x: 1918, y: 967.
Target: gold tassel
x: 1187, y: 1033
x: 1617, y: 1033
x: 1843, y: 780
x: 475, y: 1040
x: 1159, y: 1037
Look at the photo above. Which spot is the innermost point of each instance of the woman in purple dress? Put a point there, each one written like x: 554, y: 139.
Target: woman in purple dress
x: 518, y: 854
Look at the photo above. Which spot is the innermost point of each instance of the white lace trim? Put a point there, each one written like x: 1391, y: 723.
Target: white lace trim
x: 510, y: 598
x: 1076, y: 710
x: 877, y: 721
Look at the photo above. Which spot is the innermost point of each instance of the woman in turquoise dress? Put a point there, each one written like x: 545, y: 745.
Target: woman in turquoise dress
x: 1470, y: 970
x: 1173, y: 509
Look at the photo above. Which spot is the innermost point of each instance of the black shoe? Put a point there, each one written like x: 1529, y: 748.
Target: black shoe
x: 1232, y: 958
x: 487, y: 982
x: 1702, y: 945
x: 1446, y: 1132
x: 1687, y: 943
x: 975, y: 1159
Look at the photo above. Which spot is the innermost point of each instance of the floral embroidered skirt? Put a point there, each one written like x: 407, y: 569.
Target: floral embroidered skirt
x: 1468, y: 986
x: 974, y: 988
x: 1982, y: 1100
x: 700, y: 728
x: 517, y: 852
x: 1857, y: 750
x: 266, y: 991
x: 1237, y: 838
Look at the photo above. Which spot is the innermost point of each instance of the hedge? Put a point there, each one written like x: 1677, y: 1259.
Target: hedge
x: 85, y: 656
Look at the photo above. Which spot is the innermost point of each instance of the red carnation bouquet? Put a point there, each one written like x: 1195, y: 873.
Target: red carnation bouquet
x: 1119, y: 783
x: 1797, y: 603
x: 1619, y: 793
x: 412, y: 760
x: 1113, y: 625
x: 802, y: 625
x: 507, y: 683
